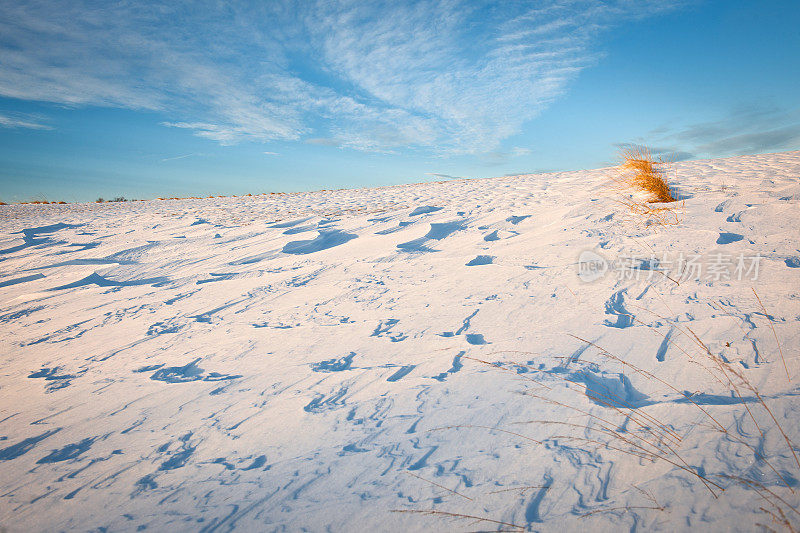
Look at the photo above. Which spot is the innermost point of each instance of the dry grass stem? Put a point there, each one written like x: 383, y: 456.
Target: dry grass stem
x: 780, y: 350
x: 459, y: 516
x: 717, y: 425
x: 522, y: 489
x: 438, y: 485
x: 625, y: 508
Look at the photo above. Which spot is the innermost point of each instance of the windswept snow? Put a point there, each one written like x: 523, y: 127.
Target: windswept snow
x: 318, y: 361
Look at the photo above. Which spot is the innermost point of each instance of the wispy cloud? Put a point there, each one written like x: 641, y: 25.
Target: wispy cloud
x: 323, y: 141
x: 759, y: 141
x: 671, y: 154
x: 23, y: 121
x: 746, y: 129
x: 443, y: 176
x: 449, y: 76
x: 178, y: 157
x: 500, y: 157
x: 534, y: 171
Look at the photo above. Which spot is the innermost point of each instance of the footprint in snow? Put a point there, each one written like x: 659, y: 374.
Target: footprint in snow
x: 24, y: 446
x: 727, y: 238
x: 476, y: 339
x: 481, y: 260
x: 516, y: 219
x: 400, y: 374
x: 70, y: 451
x: 187, y: 373
x: 55, y: 380
x: 334, y: 365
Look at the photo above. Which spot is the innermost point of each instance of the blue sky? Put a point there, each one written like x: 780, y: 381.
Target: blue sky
x: 146, y: 99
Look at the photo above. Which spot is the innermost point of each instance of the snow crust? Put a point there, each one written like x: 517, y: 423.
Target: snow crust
x: 320, y: 361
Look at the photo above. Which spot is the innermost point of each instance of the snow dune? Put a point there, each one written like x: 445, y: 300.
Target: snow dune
x: 319, y: 361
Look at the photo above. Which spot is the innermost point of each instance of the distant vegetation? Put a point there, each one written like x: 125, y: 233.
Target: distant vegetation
x: 38, y: 202
x: 115, y: 199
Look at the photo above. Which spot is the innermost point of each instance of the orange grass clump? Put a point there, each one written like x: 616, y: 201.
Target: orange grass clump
x: 641, y: 172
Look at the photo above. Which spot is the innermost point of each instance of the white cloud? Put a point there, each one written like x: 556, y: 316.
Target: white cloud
x: 449, y: 76
x: 22, y: 121
x: 324, y: 141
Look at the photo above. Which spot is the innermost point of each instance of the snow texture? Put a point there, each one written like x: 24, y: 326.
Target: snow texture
x: 319, y: 361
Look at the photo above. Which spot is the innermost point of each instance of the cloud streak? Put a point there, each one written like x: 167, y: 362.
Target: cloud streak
x: 178, y: 157
x: 443, y: 176
x: 23, y: 122
x: 446, y: 76
x: 746, y: 129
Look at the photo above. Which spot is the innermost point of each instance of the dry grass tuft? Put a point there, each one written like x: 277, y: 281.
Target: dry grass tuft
x: 643, y: 189
x: 641, y: 172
